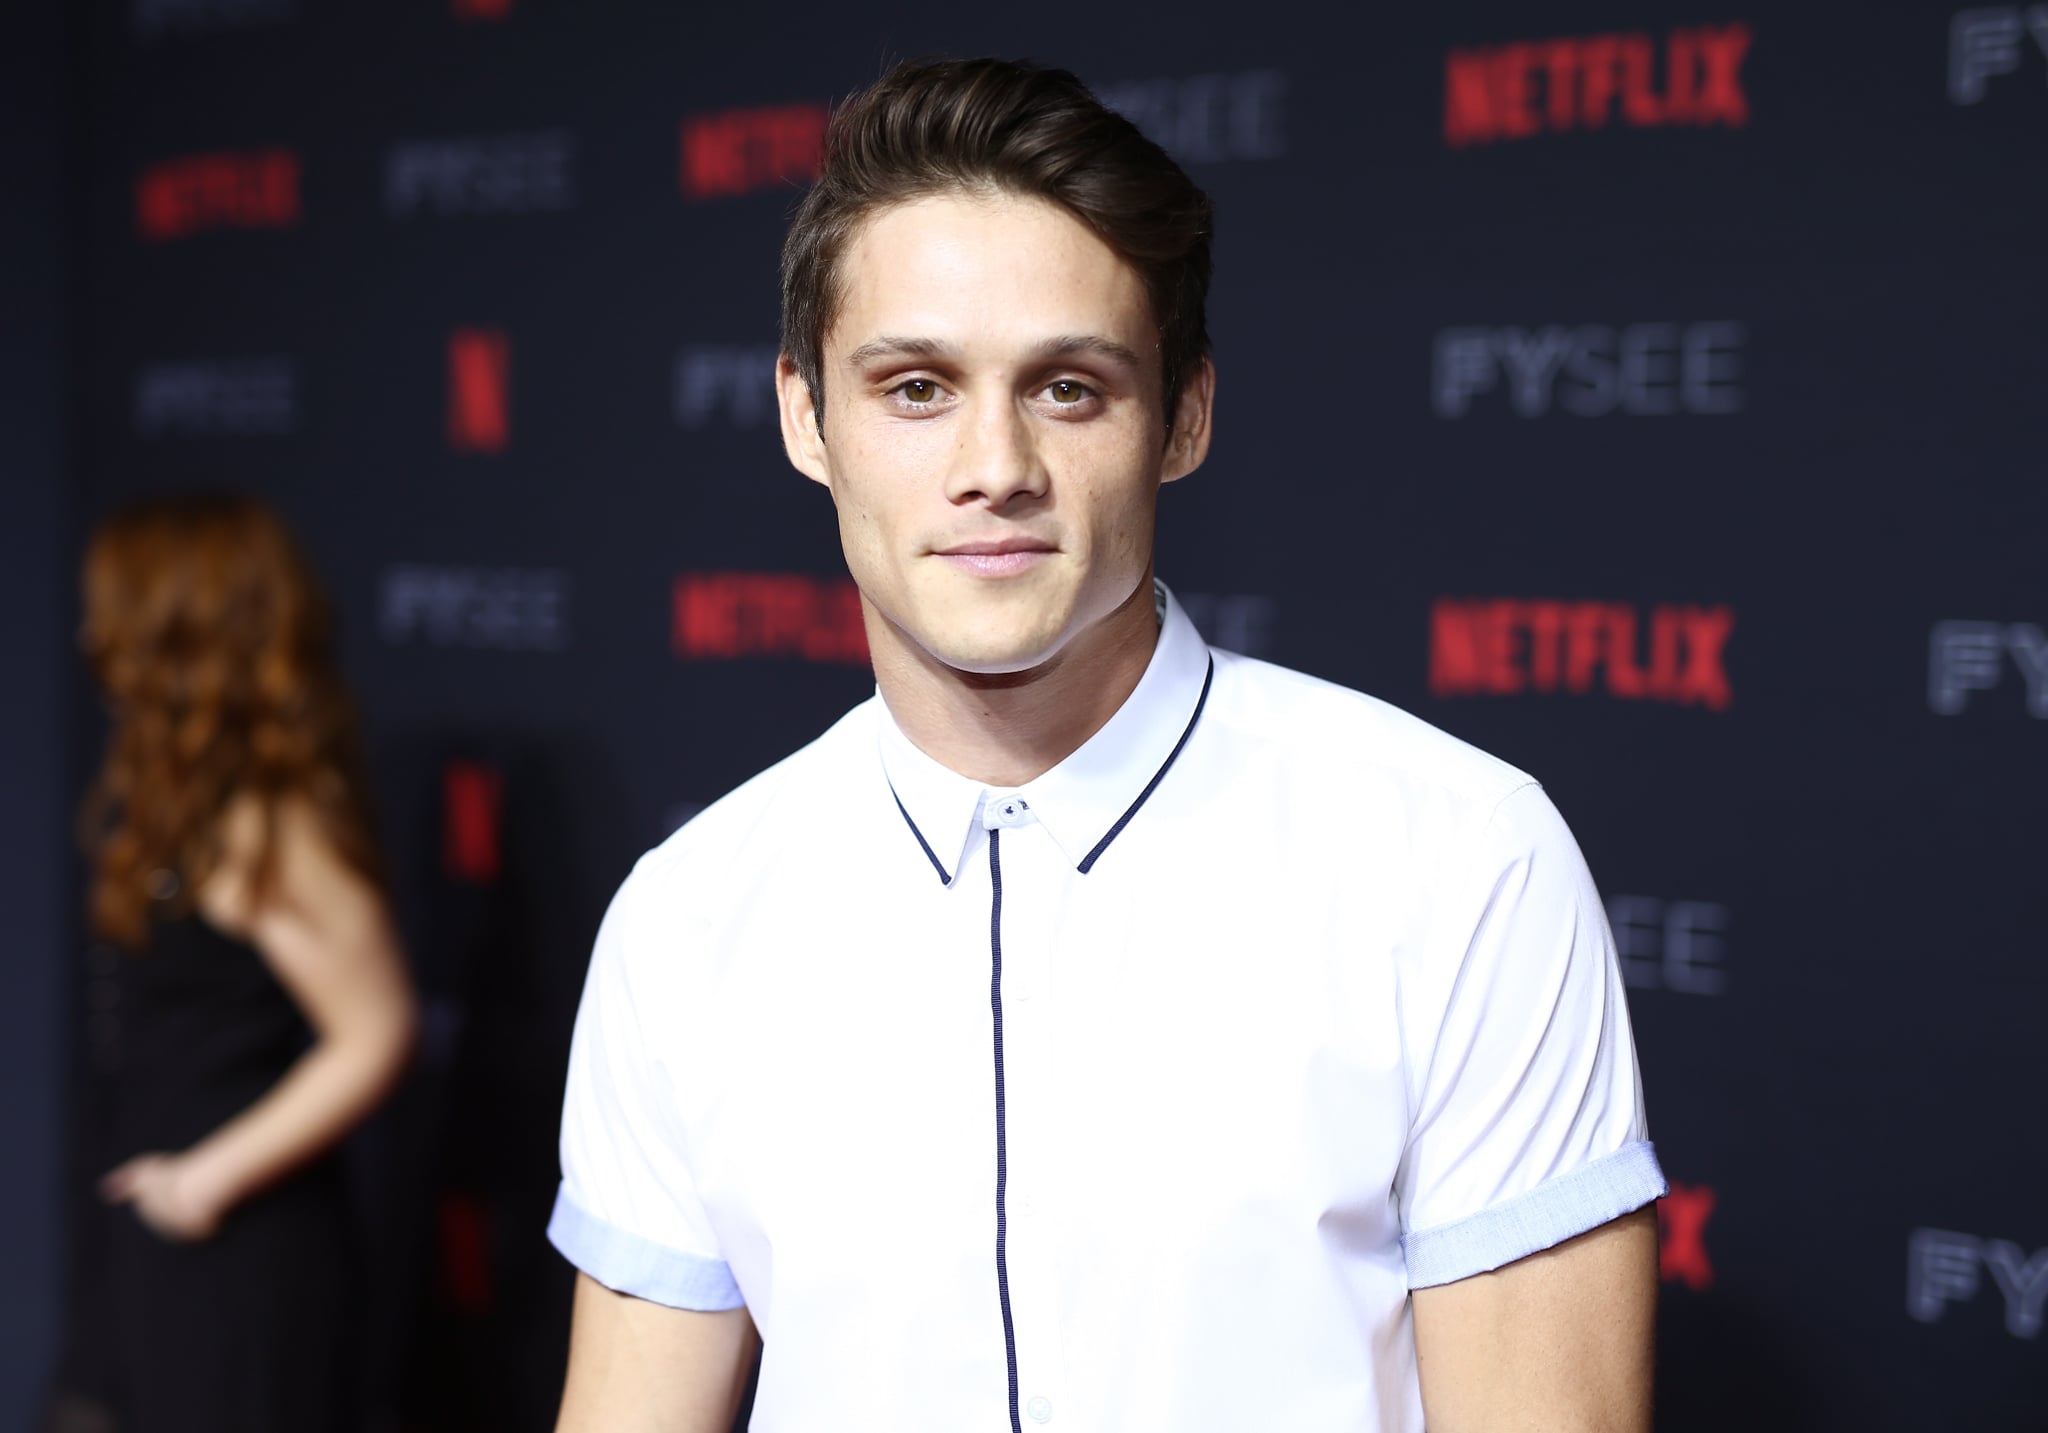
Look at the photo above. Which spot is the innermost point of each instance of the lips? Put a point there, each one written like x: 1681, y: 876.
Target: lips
x: 999, y: 557
x: 1000, y: 547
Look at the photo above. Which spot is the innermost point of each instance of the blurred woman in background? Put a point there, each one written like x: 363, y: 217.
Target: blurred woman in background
x: 261, y: 1009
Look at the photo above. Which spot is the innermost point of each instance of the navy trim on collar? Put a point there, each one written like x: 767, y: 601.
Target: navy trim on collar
x: 930, y: 854
x: 1088, y: 861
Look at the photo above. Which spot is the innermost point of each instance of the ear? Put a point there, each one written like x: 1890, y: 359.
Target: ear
x: 801, y: 438
x: 1188, y: 442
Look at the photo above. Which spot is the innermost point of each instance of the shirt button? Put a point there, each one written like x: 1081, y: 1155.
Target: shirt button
x: 1009, y: 810
x: 1040, y: 1409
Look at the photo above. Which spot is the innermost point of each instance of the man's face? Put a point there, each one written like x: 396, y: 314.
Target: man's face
x: 993, y: 436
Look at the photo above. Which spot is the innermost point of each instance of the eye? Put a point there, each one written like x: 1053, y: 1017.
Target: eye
x: 1066, y: 392
x: 918, y: 390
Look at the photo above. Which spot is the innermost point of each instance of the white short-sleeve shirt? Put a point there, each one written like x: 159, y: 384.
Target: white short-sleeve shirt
x: 1135, y: 1098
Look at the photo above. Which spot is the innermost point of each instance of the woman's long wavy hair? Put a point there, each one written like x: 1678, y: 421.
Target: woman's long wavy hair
x: 212, y: 640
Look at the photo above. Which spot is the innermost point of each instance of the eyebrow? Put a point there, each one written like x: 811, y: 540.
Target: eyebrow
x: 1064, y: 346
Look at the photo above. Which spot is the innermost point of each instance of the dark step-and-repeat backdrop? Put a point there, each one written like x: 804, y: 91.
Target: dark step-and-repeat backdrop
x: 1652, y: 395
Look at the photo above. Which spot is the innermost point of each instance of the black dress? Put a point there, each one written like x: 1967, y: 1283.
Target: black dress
x: 253, y: 1330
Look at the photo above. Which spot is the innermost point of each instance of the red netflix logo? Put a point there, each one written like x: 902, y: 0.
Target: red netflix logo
x: 743, y: 150
x: 479, y: 390
x: 472, y: 810
x: 1681, y: 1246
x: 1528, y: 88
x: 196, y: 192
x: 721, y: 615
x: 1502, y: 646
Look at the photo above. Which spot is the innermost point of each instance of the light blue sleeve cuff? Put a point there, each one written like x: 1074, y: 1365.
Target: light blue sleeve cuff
x: 1549, y: 1214
x: 640, y: 1267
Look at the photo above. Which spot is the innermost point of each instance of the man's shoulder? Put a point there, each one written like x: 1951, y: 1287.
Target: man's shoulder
x: 1339, y: 736
x: 757, y: 822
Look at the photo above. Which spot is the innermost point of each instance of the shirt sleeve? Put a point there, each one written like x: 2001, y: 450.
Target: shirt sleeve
x: 628, y: 1213
x: 1528, y: 1108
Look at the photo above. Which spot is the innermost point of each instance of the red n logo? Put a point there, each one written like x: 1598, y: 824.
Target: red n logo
x: 1682, y: 1219
x: 472, y: 800
x: 463, y: 1226
x: 479, y: 384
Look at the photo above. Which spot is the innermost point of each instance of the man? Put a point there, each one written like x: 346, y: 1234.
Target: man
x: 1093, y: 1030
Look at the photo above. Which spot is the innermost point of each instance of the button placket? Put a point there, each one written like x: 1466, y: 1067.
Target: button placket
x: 1035, y: 870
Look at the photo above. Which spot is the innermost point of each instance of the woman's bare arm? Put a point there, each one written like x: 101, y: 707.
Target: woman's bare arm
x: 324, y: 932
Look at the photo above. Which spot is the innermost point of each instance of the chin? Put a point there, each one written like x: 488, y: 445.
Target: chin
x: 987, y: 661
x: 993, y: 654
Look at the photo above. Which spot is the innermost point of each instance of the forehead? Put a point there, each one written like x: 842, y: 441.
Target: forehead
x: 991, y: 268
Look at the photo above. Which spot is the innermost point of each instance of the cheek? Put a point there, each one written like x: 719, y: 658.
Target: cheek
x: 860, y: 531
x: 1125, y: 508
x: 886, y: 469
x: 873, y: 500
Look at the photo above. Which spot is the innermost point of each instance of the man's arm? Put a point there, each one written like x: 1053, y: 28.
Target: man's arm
x: 641, y: 1367
x: 1561, y: 1340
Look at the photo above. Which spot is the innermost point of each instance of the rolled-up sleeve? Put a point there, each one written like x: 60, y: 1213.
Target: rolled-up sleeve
x: 627, y: 1213
x: 1528, y: 1123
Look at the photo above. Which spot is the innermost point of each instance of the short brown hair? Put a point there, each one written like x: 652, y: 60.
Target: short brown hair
x: 936, y: 126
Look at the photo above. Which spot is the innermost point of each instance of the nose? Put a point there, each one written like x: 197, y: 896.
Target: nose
x: 995, y: 460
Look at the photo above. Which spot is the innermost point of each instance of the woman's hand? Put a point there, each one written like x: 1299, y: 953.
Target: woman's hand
x: 168, y: 1194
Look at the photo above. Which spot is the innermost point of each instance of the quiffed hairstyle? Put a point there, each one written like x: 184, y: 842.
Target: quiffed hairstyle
x: 1000, y: 127
x: 211, y: 639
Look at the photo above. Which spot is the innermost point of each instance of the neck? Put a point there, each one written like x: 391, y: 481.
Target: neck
x: 1003, y: 729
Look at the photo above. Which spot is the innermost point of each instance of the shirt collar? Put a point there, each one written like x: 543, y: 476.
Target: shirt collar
x: 1087, y: 799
